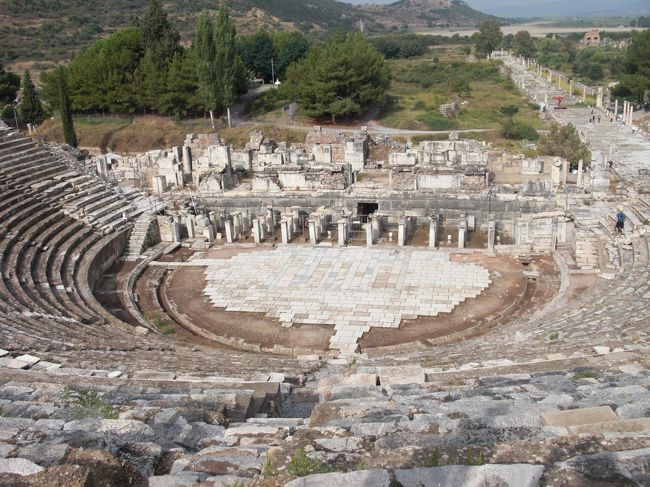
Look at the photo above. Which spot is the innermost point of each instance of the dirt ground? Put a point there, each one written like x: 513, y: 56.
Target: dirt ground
x: 510, y: 288
x: 510, y: 294
x: 185, y: 291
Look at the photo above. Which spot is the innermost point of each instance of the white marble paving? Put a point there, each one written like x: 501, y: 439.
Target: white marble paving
x: 351, y: 288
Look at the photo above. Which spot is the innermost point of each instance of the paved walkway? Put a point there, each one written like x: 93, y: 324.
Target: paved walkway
x: 352, y: 288
x: 630, y: 151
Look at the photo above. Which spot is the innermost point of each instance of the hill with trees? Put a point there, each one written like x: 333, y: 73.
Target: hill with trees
x: 51, y: 30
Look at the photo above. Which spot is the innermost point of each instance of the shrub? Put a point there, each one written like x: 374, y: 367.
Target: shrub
x: 87, y: 403
x: 301, y: 465
x: 512, y: 129
x: 509, y: 110
x: 420, y: 105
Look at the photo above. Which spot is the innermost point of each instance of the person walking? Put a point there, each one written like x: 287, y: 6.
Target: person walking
x: 620, y: 222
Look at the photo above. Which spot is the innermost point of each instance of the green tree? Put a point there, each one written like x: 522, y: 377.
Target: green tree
x: 340, y: 78
x: 30, y: 108
x: 65, y: 109
x: 205, y: 51
x: 488, y: 37
x: 181, y: 96
x: 524, y: 44
x: 226, y: 60
x: 158, y: 36
x: 289, y: 47
x: 9, y: 86
x: 257, y: 52
x: 564, y: 141
x: 637, y: 78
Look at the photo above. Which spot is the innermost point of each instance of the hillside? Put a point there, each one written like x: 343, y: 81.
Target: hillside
x: 428, y: 13
x: 48, y: 31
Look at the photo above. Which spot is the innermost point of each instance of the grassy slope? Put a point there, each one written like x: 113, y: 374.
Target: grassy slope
x: 481, y: 110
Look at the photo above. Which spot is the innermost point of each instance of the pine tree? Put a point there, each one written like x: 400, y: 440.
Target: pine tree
x: 30, y: 109
x: 65, y: 109
x: 158, y: 36
x: 226, y: 60
x: 205, y: 51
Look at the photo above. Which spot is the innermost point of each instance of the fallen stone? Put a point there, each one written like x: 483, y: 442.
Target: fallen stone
x: 18, y: 466
x: 29, y: 359
x: 518, y: 475
x: 577, y: 417
x: 348, y: 443
x: 12, y: 363
x: 407, y: 374
x: 624, y: 426
x: 3, y: 352
x: 632, y: 465
x: 362, y: 478
x: 44, y: 454
x: 126, y: 429
x: 178, y: 480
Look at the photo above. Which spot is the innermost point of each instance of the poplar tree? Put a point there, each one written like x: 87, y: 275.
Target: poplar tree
x: 30, y: 109
x: 205, y: 50
x: 65, y: 110
x: 226, y: 59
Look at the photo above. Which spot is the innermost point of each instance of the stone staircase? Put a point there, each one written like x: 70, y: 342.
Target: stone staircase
x: 136, y: 244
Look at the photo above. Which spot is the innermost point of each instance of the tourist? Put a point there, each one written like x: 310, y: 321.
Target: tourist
x: 620, y: 222
x: 598, y: 118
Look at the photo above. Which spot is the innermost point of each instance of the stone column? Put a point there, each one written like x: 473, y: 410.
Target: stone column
x: 208, y: 232
x: 257, y: 231
x: 230, y: 233
x: 401, y: 233
x: 343, y: 230
x: 584, y: 93
x: 546, y: 100
x: 368, y: 228
x: 237, y: 225
x: 176, y: 231
x: 313, y: 239
x: 190, y: 226
x: 285, y: 229
x: 580, y: 181
x: 631, y: 116
x: 565, y: 171
x: 214, y: 221
x: 102, y: 167
x: 615, y: 109
x: 491, y: 233
x: 462, y: 234
x: 599, y: 97
x: 433, y: 232
x: 187, y: 159
x: 375, y: 222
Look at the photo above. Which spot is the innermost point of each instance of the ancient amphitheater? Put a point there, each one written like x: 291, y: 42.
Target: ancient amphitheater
x: 346, y: 312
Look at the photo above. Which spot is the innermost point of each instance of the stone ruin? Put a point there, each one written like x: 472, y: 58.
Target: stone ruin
x: 320, y: 358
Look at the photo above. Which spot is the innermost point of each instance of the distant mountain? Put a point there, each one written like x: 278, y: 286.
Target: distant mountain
x: 592, y: 8
x: 428, y: 13
x: 48, y: 31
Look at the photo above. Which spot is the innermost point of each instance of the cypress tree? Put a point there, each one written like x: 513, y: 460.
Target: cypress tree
x: 158, y: 36
x: 66, y: 110
x: 226, y: 61
x: 205, y: 51
x: 30, y: 109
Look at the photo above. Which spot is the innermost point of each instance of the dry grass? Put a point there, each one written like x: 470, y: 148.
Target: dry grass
x: 147, y: 133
